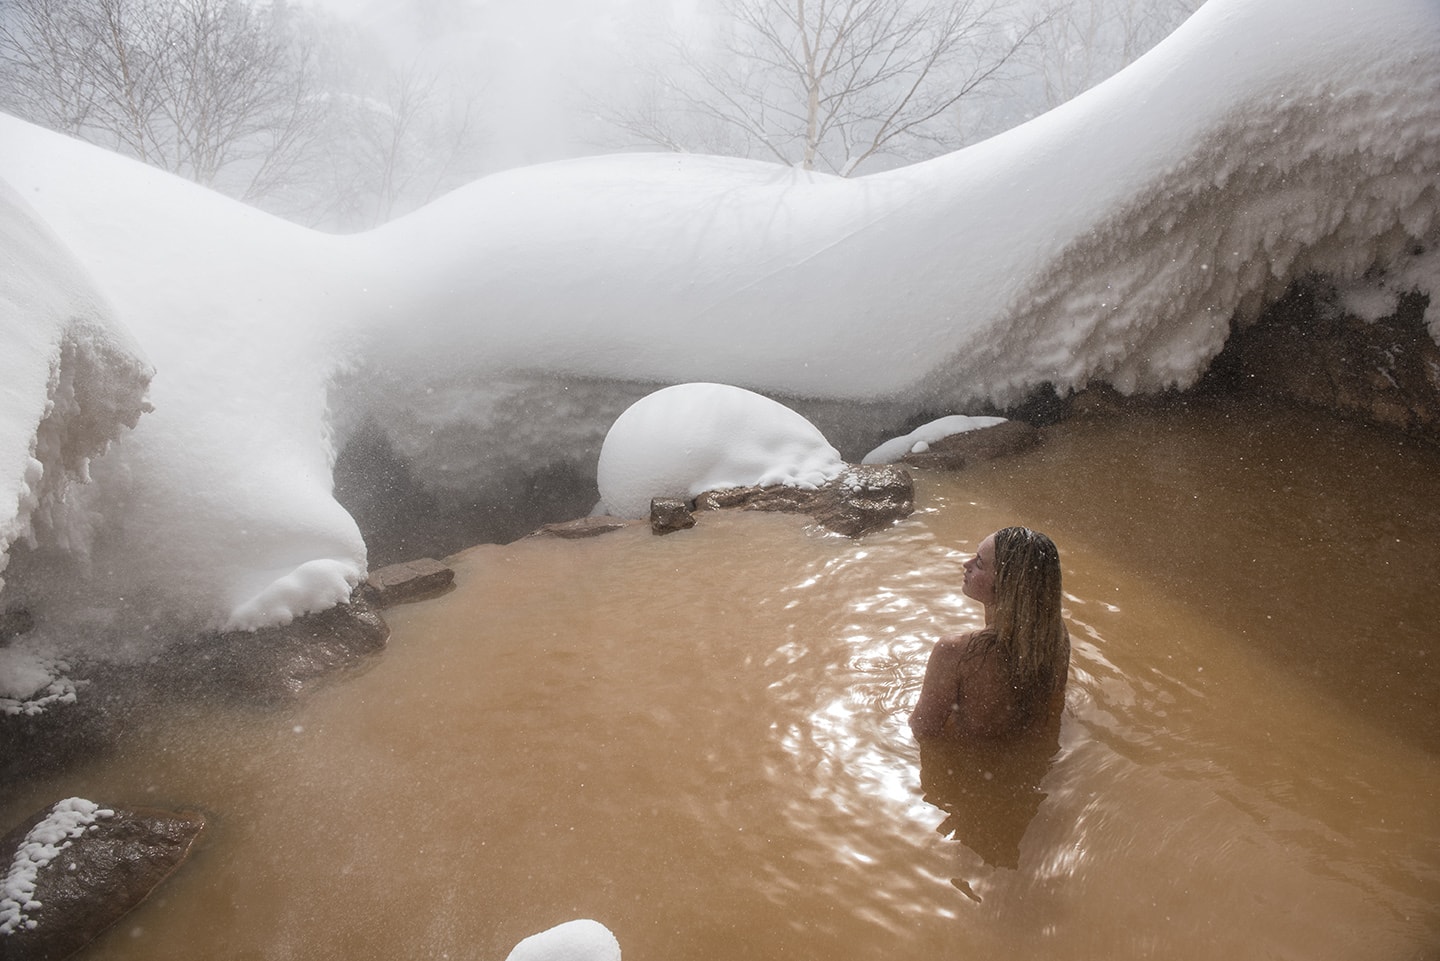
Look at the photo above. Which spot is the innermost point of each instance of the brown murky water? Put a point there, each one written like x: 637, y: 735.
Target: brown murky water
x: 700, y: 739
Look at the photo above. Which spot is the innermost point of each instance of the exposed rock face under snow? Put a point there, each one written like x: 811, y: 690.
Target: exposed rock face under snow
x: 72, y: 380
x: 1384, y: 370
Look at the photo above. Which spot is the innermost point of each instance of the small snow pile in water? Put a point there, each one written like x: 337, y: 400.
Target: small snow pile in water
x: 581, y: 940
x: 691, y: 438
x: 919, y: 440
x: 67, y: 820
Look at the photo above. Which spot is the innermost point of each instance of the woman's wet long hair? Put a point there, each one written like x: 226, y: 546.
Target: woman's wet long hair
x: 1026, y: 630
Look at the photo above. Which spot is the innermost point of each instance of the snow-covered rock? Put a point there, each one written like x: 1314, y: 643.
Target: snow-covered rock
x: 76, y: 868
x: 690, y: 438
x: 920, y: 439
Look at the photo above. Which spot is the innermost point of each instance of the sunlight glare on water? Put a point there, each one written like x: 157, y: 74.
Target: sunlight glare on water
x: 700, y: 739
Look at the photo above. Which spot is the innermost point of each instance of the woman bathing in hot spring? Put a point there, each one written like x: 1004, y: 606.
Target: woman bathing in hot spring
x: 1008, y: 677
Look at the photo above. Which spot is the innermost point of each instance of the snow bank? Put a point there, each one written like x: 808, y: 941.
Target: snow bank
x: 1113, y: 238
x: 691, y: 438
x: 216, y: 510
x: 71, y: 381
x: 1260, y: 143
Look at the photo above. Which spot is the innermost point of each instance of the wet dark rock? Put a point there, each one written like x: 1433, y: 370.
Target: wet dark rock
x: 265, y: 667
x: 670, y: 514
x: 959, y: 451
x: 407, y: 581
x: 861, y: 499
x: 281, y: 663
x: 1304, y: 349
x: 401, y: 517
x: 583, y: 527
x: 1098, y: 400
x: 758, y: 498
x: 13, y: 623
x: 60, y: 735
x: 93, y: 880
x: 865, y: 498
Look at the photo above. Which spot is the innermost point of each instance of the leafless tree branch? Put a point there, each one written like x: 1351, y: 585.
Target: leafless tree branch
x: 830, y: 84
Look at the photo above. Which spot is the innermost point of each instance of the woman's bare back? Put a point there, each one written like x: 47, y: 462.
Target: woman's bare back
x: 968, y: 693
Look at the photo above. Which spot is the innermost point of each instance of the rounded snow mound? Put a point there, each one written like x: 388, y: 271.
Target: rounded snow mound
x: 690, y: 438
x: 581, y: 940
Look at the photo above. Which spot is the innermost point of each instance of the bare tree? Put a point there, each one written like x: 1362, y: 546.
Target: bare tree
x: 830, y: 84
x: 400, y: 141
x: 235, y: 90
x: 194, y: 86
x: 50, y: 63
x: 1085, y: 41
x: 273, y: 103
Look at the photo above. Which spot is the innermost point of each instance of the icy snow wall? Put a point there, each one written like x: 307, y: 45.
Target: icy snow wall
x: 72, y: 381
x: 509, y: 323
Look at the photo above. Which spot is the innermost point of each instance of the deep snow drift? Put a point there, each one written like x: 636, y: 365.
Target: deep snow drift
x: 216, y: 510
x: 509, y: 323
x: 1112, y: 238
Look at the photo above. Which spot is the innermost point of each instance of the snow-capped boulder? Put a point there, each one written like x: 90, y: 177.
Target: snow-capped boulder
x: 690, y: 438
x: 77, y: 867
x: 953, y: 443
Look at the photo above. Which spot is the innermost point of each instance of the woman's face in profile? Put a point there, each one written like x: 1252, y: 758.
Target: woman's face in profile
x: 979, y: 582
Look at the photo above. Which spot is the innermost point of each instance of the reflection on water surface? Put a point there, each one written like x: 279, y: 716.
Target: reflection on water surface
x: 700, y: 739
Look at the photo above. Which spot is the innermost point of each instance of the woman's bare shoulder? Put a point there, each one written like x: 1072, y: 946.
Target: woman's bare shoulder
x: 956, y: 648
x: 955, y: 642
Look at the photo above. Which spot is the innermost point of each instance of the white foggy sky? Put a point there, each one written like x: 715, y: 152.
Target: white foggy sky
x: 538, y: 68
x: 534, y: 62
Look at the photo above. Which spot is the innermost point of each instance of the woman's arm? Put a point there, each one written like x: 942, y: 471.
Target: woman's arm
x: 941, y: 688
